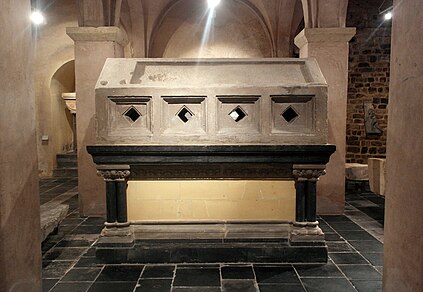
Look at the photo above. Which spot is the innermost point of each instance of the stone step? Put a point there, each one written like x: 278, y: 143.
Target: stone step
x: 65, y: 172
x: 66, y: 160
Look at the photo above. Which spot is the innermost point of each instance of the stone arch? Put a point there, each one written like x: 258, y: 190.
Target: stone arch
x: 186, y: 15
x: 62, y: 123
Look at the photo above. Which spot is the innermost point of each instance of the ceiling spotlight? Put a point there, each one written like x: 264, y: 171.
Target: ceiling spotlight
x: 37, y: 17
x: 213, y: 3
x: 388, y: 15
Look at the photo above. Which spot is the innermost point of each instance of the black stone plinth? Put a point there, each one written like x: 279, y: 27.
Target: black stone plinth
x: 212, y: 243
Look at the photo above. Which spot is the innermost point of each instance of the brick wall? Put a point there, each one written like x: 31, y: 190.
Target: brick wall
x: 368, y: 78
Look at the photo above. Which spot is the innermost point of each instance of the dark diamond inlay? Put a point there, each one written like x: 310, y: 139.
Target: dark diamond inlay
x: 290, y: 115
x: 132, y: 114
x: 185, y: 114
x: 237, y: 114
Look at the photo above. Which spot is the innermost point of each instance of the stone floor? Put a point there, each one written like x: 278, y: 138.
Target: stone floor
x: 354, y: 242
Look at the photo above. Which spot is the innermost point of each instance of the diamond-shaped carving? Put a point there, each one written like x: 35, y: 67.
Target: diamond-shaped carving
x: 290, y: 115
x: 237, y: 114
x: 132, y: 114
x: 185, y: 114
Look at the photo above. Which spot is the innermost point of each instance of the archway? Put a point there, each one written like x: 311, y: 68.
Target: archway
x: 62, y: 135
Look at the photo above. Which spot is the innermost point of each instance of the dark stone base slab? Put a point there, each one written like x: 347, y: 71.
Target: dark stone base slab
x: 163, y: 253
x: 211, y: 243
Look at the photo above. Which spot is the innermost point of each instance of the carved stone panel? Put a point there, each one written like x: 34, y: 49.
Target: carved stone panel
x: 183, y: 115
x: 292, y: 114
x: 129, y: 115
x: 238, y: 114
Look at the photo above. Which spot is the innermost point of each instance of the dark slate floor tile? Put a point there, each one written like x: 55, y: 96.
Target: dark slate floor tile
x: 239, y: 286
x: 95, y: 221
x: 197, y: 277
x: 317, y: 271
x: 54, y: 270
x: 327, y: 285
x: 356, y: 235
x: 281, y: 288
x: 71, y: 287
x: 74, y: 243
x: 367, y: 245
x: 196, y: 289
x: 64, y: 254
x: 89, y: 253
x: 375, y: 258
x: 158, y: 272
x: 325, y: 227
x: 379, y: 269
x: 47, y: 245
x: 71, y: 221
x: 339, y: 246
x: 348, y: 258
x: 345, y: 226
x: 377, y: 213
x: 197, y: 266
x: 87, y: 229
x: 154, y: 285
x: 75, y: 214
x: 48, y: 284
x: 85, y: 262
x: 81, y: 275
x: 120, y: 273
x: 273, y: 275
x: 234, y: 272
x: 335, y: 218
x: 367, y: 286
x: 112, y: 287
x: 331, y: 236
x: 360, y: 272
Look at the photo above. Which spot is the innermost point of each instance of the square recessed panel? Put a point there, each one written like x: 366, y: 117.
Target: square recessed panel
x: 129, y: 115
x: 238, y: 114
x: 292, y: 114
x: 183, y: 115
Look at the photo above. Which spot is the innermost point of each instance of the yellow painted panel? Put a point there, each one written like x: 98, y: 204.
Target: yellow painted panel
x: 211, y: 200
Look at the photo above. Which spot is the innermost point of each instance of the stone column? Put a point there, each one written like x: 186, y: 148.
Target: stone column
x: 20, y: 233
x: 117, y: 228
x: 92, y: 47
x: 330, y: 47
x: 403, y: 254
x: 306, y: 227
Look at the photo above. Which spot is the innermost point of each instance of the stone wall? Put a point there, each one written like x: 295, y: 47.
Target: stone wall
x: 368, y: 78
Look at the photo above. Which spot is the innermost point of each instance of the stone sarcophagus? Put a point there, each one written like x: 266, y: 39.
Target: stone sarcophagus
x: 212, y: 102
x: 212, y: 119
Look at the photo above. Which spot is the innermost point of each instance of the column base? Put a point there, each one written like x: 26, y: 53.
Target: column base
x: 112, y: 236
x: 306, y: 232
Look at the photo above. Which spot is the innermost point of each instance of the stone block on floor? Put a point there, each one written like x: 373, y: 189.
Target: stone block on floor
x: 377, y: 175
x: 51, y: 216
x: 356, y: 171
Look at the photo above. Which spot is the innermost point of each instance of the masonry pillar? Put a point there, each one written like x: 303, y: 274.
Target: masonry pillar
x: 92, y: 46
x: 403, y: 254
x: 330, y: 47
x: 20, y: 240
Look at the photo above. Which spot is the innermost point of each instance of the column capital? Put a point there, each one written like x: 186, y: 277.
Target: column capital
x: 303, y: 172
x: 324, y: 35
x: 98, y: 34
x: 113, y: 172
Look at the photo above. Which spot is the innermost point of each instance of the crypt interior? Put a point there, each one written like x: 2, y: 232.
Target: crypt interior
x: 206, y: 145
